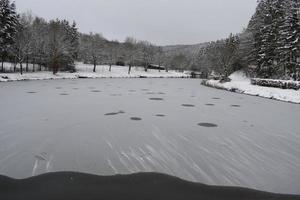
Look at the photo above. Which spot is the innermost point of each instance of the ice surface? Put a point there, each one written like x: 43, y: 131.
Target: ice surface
x: 255, y: 145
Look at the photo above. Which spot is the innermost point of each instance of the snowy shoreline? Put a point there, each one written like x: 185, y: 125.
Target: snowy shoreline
x: 242, y: 84
x: 85, y: 71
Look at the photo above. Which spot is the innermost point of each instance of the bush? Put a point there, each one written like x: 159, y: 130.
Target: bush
x: 295, y: 85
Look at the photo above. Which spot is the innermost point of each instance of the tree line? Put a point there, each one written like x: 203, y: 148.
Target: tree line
x: 269, y: 47
x: 57, y: 44
x: 27, y: 39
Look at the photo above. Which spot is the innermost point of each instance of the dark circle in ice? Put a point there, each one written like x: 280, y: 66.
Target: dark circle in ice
x: 58, y: 88
x: 115, y: 113
x: 161, y: 93
x: 110, y: 114
x: 31, y: 92
x: 95, y: 91
x: 236, y: 106
x: 63, y: 94
x: 160, y: 115
x: 75, y: 88
x: 208, y: 125
x: 145, y: 90
x: 188, y: 105
x: 156, y: 99
x: 136, y: 118
x: 210, y: 104
x: 216, y: 98
x: 115, y: 95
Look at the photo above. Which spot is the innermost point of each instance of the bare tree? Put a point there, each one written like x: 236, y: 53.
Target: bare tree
x: 159, y: 57
x: 148, y: 53
x: 92, y: 46
x: 112, y: 53
x: 23, y: 39
x: 132, y: 53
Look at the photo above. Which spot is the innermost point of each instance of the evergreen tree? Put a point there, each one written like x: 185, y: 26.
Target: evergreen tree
x: 62, y: 45
x: 291, y: 50
x: 8, y: 24
x: 269, y: 32
x: 275, y: 30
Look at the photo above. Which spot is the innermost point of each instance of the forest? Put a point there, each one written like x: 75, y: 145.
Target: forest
x: 269, y: 47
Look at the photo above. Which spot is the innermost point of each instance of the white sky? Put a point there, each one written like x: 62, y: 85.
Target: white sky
x: 162, y: 22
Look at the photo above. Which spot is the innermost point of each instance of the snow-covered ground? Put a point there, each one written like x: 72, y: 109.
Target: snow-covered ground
x: 86, y: 71
x: 173, y: 126
x: 242, y: 84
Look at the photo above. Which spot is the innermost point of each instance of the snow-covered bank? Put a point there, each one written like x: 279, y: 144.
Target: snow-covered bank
x: 85, y: 71
x: 242, y: 84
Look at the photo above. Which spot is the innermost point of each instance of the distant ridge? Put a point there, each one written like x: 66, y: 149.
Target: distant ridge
x: 187, y: 50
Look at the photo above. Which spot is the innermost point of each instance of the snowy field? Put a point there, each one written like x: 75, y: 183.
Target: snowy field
x: 174, y: 126
x: 242, y: 84
x: 86, y: 71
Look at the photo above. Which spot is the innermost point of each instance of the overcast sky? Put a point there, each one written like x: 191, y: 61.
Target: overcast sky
x: 162, y: 22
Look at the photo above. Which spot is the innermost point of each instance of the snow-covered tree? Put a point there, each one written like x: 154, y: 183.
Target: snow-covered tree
x: 112, y: 53
x: 275, y: 31
x: 159, y: 56
x: 148, y: 53
x: 132, y: 53
x: 39, y: 33
x: 289, y: 39
x: 61, y: 44
x: 92, y: 48
x: 8, y: 27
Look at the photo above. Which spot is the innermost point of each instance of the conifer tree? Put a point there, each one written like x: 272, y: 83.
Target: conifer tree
x: 8, y: 24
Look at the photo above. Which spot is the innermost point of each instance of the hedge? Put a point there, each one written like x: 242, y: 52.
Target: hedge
x: 283, y: 84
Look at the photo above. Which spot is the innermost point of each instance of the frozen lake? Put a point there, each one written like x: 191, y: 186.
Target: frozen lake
x: 173, y: 126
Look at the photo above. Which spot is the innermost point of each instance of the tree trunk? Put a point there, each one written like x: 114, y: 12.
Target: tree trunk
x: 2, y: 65
x: 110, y: 67
x: 167, y: 70
x: 40, y: 63
x: 129, y: 69
x: 33, y: 65
x: 2, y: 62
x: 15, y: 65
x: 226, y: 71
x: 27, y: 63
x: 55, y: 69
x: 95, y: 65
x: 21, y: 68
x: 55, y: 64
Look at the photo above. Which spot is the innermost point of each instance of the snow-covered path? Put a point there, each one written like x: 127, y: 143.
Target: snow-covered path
x: 174, y: 126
